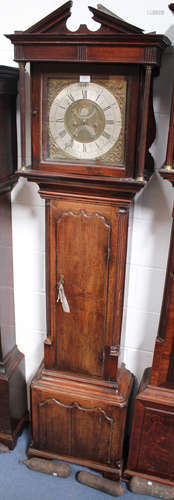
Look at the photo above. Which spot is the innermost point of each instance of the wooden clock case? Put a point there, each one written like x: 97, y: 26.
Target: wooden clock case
x: 80, y: 395
x: 13, y: 403
x: 151, y: 452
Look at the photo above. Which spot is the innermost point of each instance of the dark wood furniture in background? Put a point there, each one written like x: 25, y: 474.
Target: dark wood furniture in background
x: 80, y: 395
x: 151, y: 453
x: 13, y: 404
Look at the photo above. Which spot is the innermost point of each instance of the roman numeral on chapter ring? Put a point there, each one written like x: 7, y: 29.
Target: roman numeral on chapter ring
x: 84, y: 93
x: 98, y: 97
x: 106, y: 135
x: 71, y: 97
x: 109, y: 107
x: 109, y: 122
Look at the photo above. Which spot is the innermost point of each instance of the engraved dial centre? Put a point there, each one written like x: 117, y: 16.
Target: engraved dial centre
x: 84, y: 120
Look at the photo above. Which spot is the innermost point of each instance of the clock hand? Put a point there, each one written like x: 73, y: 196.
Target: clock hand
x: 87, y: 117
x: 90, y: 129
x: 93, y: 112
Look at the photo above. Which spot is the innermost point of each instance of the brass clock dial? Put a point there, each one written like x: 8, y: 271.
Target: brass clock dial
x: 85, y: 120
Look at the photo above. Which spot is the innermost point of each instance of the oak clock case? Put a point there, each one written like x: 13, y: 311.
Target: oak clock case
x: 152, y: 442
x: 13, y: 404
x: 92, y: 127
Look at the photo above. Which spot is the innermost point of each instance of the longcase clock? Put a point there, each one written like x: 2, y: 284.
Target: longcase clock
x: 13, y: 403
x: 92, y: 127
x: 152, y: 441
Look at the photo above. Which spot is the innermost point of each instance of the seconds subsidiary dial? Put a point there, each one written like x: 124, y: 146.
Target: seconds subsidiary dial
x: 85, y: 120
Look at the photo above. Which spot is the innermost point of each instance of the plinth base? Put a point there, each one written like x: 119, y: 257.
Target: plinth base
x: 151, y: 454
x: 80, y: 421
x: 11, y: 439
x: 13, y: 397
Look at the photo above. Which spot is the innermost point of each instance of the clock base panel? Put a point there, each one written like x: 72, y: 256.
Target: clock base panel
x: 151, y: 454
x: 13, y: 408
x: 10, y: 440
x: 79, y: 422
